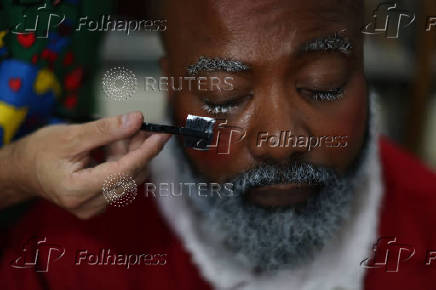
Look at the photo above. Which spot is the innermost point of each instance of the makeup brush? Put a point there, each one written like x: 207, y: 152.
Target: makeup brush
x: 204, y: 124
x: 197, y: 133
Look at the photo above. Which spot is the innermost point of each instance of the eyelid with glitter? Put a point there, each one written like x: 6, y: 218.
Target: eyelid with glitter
x: 323, y: 79
x: 324, y: 95
x: 226, y: 107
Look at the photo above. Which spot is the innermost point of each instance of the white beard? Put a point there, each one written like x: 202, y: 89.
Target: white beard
x: 336, y: 266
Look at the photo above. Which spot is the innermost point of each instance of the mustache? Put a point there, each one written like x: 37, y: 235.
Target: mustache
x: 297, y: 172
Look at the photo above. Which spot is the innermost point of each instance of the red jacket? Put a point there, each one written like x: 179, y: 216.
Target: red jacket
x: 95, y: 254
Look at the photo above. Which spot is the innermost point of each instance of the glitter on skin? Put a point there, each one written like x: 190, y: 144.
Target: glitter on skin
x: 207, y: 64
x: 333, y: 42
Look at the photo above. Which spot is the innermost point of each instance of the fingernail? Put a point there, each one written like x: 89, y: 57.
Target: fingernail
x: 128, y: 119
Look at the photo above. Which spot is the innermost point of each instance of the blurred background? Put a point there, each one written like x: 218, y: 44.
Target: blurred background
x: 402, y: 72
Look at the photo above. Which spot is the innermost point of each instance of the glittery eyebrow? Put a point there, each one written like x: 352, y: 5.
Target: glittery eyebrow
x: 334, y: 42
x: 207, y: 64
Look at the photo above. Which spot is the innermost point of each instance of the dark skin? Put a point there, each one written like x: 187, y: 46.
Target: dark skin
x: 275, y: 94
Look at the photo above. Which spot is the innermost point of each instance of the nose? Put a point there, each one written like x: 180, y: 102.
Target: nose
x: 278, y: 131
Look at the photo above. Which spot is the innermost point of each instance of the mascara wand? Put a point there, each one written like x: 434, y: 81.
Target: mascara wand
x: 198, y: 131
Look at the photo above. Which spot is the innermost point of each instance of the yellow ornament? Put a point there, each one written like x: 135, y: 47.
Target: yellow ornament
x: 2, y: 35
x: 46, y: 81
x: 11, y: 119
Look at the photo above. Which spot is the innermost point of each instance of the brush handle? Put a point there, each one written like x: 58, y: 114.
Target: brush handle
x: 158, y: 128
x: 150, y: 127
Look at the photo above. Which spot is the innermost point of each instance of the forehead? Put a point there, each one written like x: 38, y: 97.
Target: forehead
x: 249, y: 29
x: 259, y: 14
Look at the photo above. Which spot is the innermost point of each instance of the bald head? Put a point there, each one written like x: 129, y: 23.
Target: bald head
x: 201, y: 19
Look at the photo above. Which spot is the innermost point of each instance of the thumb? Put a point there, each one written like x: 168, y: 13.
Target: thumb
x: 107, y: 130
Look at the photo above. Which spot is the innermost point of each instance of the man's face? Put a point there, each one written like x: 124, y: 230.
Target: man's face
x: 297, y: 67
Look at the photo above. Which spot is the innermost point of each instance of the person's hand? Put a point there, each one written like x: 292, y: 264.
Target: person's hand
x: 55, y: 162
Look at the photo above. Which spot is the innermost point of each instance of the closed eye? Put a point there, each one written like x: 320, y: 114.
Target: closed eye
x: 217, y: 109
x: 222, y: 108
x: 322, y: 95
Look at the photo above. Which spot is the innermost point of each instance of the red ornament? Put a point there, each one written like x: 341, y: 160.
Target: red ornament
x: 68, y: 59
x: 26, y: 39
x: 35, y: 59
x: 74, y: 79
x: 70, y: 102
x: 15, y: 84
x: 49, y: 55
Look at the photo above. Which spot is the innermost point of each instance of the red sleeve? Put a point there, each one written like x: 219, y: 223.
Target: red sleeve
x: 406, y: 215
